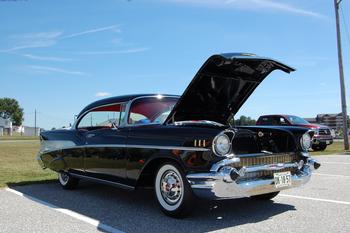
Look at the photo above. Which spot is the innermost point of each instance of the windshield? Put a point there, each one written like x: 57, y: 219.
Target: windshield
x: 151, y: 110
x: 295, y: 120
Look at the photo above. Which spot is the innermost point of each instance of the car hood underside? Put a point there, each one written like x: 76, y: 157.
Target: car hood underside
x: 221, y: 87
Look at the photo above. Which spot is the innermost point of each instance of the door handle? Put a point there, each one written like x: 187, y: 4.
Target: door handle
x: 90, y: 135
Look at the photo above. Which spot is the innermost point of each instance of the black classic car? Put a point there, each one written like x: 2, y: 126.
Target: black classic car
x: 184, y: 146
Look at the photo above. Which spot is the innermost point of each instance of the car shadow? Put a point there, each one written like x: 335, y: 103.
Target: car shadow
x: 138, y: 211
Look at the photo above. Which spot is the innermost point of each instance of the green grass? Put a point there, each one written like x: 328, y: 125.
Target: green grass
x: 335, y: 148
x: 18, y: 164
x: 15, y: 137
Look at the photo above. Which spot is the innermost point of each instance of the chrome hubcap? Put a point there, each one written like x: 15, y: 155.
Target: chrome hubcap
x: 171, y: 187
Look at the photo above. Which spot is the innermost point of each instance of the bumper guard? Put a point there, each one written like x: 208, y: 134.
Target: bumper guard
x: 222, y: 181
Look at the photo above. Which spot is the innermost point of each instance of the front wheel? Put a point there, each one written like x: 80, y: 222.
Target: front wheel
x: 67, y: 181
x: 266, y: 196
x: 172, y: 190
x: 319, y: 147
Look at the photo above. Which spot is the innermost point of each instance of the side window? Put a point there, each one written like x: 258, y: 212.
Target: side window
x: 150, y: 110
x: 283, y: 121
x: 275, y: 121
x: 103, y: 117
x: 265, y: 121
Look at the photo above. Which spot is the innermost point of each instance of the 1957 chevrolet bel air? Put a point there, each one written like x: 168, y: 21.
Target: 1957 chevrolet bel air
x: 183, y: 146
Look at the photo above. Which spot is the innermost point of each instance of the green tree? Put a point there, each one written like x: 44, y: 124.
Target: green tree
x: 244, y: 120
x: 10, y: 109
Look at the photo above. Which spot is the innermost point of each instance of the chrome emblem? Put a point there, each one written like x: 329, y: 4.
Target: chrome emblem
x: 199, y: 143
x: 260, y: 134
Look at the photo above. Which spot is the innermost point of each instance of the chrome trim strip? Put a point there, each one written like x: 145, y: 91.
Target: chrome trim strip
x: 131, y: 146
x: 103, y: 181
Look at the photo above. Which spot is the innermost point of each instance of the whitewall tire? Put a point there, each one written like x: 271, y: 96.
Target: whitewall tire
x: 172, y: 190
x: 67, y: 181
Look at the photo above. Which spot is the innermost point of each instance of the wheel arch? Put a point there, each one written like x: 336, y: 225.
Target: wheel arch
x: 147, y: 174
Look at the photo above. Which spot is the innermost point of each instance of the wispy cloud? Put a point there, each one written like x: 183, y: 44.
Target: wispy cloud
x: 125, y: 51
x: 48, y: 39
x: 48, y: 69
x: 102, y: 94
x: 114, y: 28
x: 46, y: 58
x: 271, y: 5
x: 34, y: 40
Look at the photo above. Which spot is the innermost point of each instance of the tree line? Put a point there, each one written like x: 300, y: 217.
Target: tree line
x: 10, y: 109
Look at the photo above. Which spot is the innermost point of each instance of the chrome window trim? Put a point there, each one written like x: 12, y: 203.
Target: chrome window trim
x: 77, y: 121
x: 127, y: 109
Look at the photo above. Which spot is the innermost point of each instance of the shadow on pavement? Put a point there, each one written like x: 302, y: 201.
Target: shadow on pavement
x: 138, y: 211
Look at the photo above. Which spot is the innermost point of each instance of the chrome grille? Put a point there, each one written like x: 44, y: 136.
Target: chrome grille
x: 267, y: 159
x: 324, y: 132
x: 262, y: 159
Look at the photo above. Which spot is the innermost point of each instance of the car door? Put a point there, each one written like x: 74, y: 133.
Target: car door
x: 105, y: 151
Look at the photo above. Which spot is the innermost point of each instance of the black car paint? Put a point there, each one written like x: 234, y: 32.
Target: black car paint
x: 128, y: 155
x: 224, y: 83
x: 122, y: 155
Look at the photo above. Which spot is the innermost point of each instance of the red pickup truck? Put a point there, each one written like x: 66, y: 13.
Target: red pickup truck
x: 321, y: 139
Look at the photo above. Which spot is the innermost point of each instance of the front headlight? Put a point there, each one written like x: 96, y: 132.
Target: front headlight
x: 305, y: 141
x: 221, y: 145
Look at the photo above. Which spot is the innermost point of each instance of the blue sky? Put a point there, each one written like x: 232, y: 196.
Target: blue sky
x: 58, y: 56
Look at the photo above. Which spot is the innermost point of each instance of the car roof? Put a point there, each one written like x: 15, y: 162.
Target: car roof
x: 276, y: 115
x: 118, y: 99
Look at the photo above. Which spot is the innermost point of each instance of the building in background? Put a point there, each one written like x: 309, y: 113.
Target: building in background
x: 311, y: 120
x: 31, y: 131
x: 5, y: 127
x: 334, y: 121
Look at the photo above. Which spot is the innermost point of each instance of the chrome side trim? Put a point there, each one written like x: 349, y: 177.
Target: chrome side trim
x: 120, y: 185
x: 131, y: 146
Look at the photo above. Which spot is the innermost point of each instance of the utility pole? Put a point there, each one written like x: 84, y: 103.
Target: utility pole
x: 35, y: 134
x: 341, y: 76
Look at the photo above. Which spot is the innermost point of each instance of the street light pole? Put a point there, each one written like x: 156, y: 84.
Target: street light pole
x: 341, y: 76
x: 35, y: 134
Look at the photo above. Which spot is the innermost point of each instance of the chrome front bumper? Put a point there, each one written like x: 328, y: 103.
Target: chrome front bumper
x: 222, y: 182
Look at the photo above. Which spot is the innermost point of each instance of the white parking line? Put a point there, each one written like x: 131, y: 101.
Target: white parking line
x: 70, y: 213
x: 332, y: 175
x: 315, y: 199
x: 337, y: 163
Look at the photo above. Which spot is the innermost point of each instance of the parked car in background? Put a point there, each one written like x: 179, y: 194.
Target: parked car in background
x: 183, y: 146
x: 322, y: 134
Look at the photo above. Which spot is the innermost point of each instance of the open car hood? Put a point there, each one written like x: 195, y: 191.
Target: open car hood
x: 221, y: 87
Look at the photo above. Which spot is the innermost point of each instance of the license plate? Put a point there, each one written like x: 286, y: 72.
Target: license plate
x: 282, y: 179
x: 327, y: 142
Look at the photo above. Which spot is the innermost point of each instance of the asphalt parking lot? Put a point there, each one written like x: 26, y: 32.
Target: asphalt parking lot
x: 323, y: 205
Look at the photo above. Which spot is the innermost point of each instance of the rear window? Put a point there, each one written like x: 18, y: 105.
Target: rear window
x: 272, y: 120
